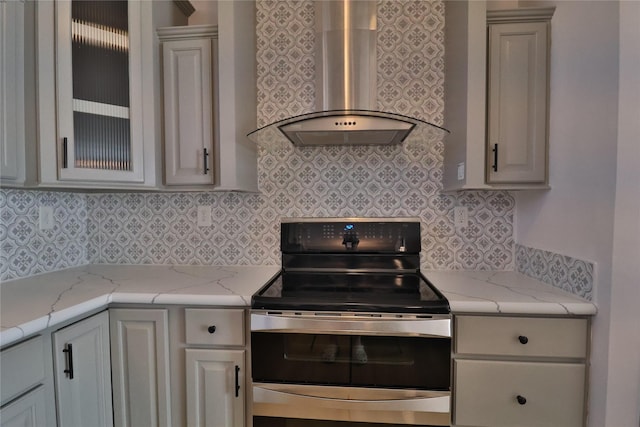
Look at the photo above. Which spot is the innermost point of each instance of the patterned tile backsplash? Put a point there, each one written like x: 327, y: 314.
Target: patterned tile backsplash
x: 26, y: 250
x: 571, y: 274
x: 161, y: 228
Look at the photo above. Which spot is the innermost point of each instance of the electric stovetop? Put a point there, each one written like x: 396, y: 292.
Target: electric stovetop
x: 351, y: 265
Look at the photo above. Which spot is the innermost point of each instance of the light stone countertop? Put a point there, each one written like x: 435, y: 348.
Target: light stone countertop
x: 30, y: 305
x: 506, y: 292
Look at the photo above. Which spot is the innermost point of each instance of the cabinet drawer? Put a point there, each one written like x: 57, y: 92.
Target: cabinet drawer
x: 520, y: 336
x: 214, y: 326
x: 486, y: 394
x: 22, y: 368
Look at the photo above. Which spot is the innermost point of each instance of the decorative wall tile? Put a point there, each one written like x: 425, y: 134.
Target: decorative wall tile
x: 25, y: 249
x: 571, y: 274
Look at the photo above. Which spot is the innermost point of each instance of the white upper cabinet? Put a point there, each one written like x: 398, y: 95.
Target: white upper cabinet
x: 209, y: 75
x: 517, y: 102
x: 99, y: 82
x: 188, y: 59
x: 12, y: 131
x: 98, y: 91
x: 496, y: 97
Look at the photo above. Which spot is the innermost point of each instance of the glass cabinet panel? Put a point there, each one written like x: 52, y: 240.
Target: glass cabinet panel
x: 100, y: 69
x: 98, y: 77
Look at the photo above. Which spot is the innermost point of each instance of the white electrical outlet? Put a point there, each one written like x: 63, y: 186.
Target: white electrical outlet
x: 460, y: 171
x: 46, y: 218
x: 460, y: 216
x: 204, y: 216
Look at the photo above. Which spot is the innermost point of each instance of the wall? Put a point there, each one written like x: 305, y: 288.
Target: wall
x: 26, y: 250
x: 160, y: 228
x: 592, y: 183
x: 623, y: 377
x: 332, y: 181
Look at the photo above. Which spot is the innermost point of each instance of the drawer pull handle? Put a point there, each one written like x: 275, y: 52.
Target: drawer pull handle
x: 68, y: 351
x: 211, y: 329
x: 205, y: 156
x: 521, y: 399
x: 523, y: 339
x: 237, y: 381
x: 65, y: 153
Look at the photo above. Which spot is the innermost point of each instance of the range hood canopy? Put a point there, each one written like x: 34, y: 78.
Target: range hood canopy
x: 346, y: 101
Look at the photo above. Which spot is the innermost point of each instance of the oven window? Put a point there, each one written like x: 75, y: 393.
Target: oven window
x: 351, y: 360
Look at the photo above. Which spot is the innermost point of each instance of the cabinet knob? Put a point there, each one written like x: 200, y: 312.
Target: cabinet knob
x: 523, y: 339
x: 521, y: 399
x: 211, y: 329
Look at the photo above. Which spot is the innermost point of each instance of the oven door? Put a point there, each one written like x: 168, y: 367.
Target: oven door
x: 350, y: 368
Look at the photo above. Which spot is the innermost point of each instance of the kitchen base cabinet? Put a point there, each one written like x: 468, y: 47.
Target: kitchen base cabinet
x: 28, y: 411
x: 519, y: 371
x: 140, y: 367
x: 215, y: 387
x: 83, y: 374
x: 507, y: 394
x: 215, y: 361
x: 25, y: 370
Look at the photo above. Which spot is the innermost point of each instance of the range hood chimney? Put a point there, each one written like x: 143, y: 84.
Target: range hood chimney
x: 346, y: 89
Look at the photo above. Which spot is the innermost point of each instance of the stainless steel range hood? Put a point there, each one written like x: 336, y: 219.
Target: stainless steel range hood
x: 346, y: 101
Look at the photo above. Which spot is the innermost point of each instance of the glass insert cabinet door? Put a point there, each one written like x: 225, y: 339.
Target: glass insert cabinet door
x: 98, y: 72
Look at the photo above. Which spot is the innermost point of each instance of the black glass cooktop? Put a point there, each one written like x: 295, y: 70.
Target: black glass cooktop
x: 351, y: 292
x: 352, y: 265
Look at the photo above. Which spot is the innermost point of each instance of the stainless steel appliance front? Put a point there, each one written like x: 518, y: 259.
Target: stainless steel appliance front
x: 350, y: 367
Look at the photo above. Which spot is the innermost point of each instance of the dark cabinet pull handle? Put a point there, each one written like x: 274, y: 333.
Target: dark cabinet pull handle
x: 523, y: 339
x: 211, y: 329
x: 521, y: 399
x: 206, y: 158
x: 64, y: 152
x: 495, y: 157
x: 237, y: 381
x: 69, y: 356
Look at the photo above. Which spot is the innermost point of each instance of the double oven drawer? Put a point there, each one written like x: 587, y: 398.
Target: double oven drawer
x: 350, y: 368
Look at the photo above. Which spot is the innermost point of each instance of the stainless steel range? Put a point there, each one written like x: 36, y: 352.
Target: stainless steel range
x: 350, y: 331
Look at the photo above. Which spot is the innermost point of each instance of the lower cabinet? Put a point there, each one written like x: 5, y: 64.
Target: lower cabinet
x: 178, y: 366
x: 28, y: 411
x: 215, y: 387
x: 215, y: 361
x: 519, y: 371
x: 140, y: 367
x: 82, y: 373
x: 22, y: 392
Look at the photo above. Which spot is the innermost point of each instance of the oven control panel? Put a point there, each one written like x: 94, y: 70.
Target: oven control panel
x: 351, y: 235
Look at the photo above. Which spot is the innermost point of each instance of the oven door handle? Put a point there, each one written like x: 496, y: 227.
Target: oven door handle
x: 352, y: 325
x: 286, y: 400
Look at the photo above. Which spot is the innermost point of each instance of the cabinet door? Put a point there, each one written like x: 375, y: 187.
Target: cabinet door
x: 28, y: 411
x: 140, y: 366
x: 524, y: 394
x: 82, y: 372
x: 517, y: 103
x: 99, y: 102
x: 12, y: 139
x: 188, y: 111
x: 215, y: 388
